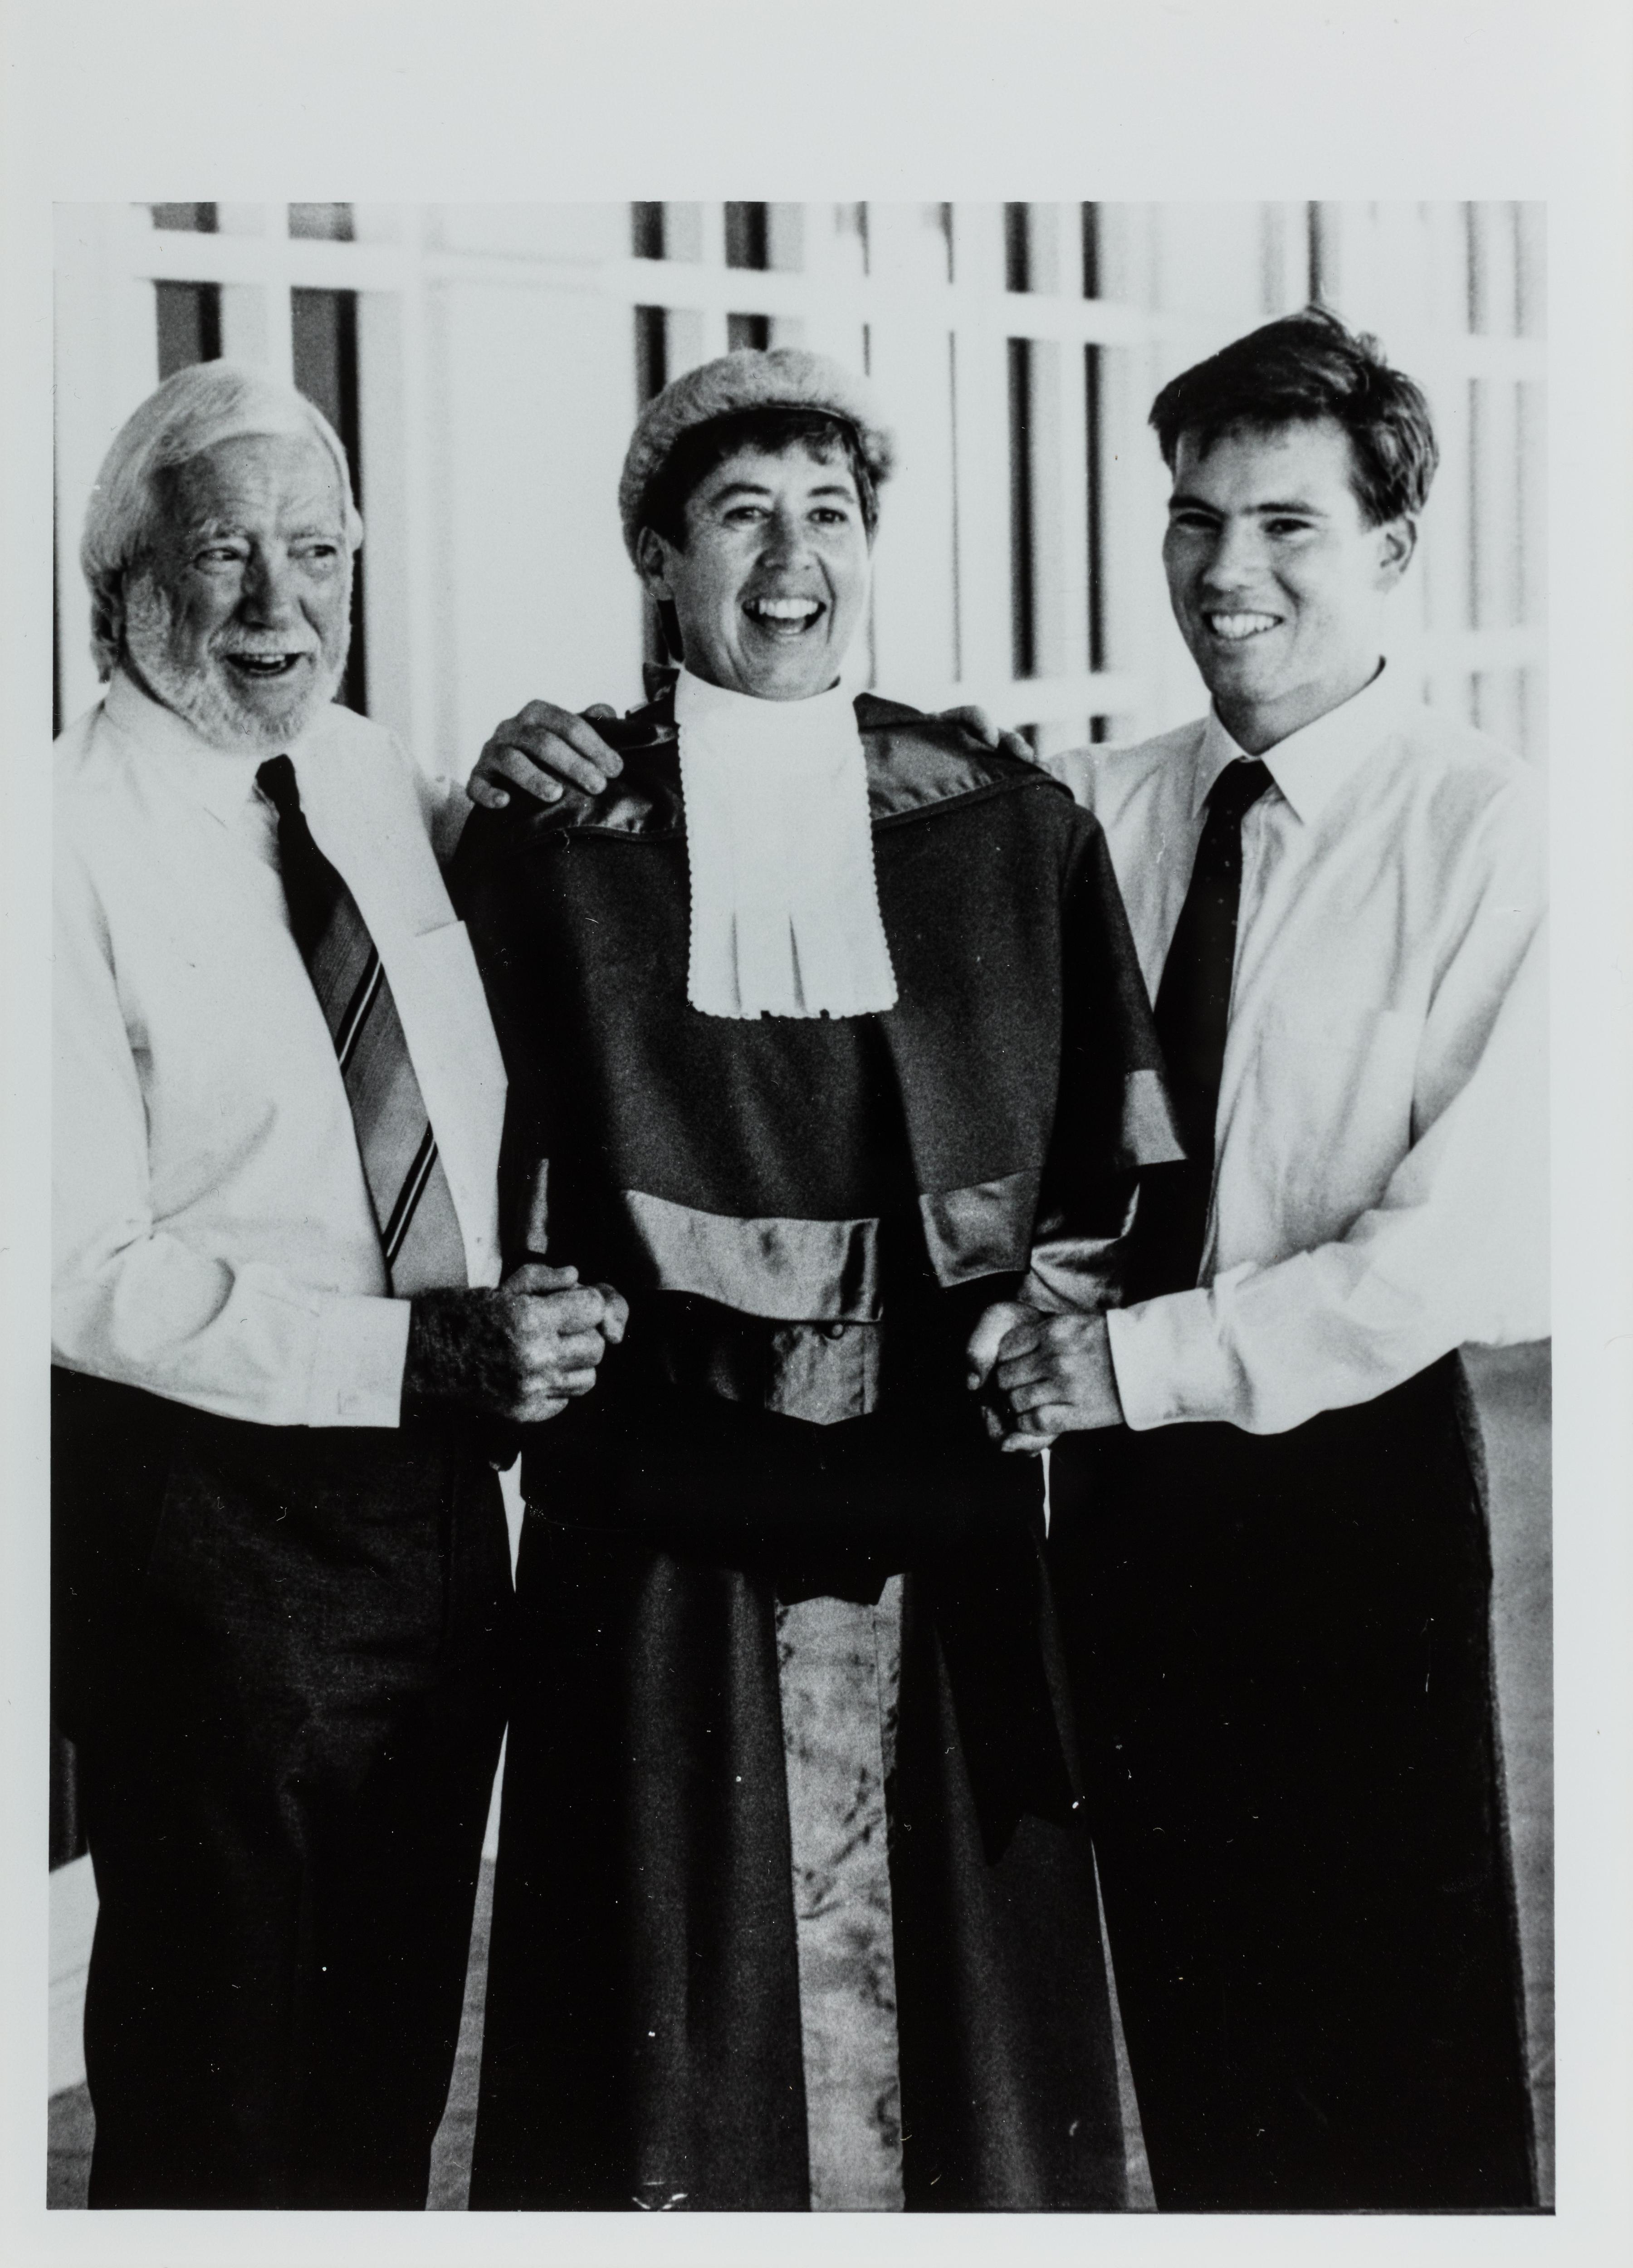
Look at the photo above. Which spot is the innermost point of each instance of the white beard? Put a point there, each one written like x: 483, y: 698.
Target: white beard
x: 207, y: 698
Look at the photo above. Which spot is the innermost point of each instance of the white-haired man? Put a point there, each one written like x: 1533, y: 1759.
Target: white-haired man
x: 283, y: 1354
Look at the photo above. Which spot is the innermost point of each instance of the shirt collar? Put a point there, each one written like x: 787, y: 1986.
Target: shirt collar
x: 221, y: 780
x: 1310, y: 765
x: 715, y: 716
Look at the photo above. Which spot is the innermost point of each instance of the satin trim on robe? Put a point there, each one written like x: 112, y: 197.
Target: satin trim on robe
x: 788, y: 1270
x: 983, y: 1230
x: 838, y: 1667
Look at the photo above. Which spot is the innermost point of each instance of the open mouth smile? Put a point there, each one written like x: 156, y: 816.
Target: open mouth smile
x: 1235, y: 628
x: 265, y: 665
x: 787, y: 618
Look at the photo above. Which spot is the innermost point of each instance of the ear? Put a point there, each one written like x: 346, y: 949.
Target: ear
x: 652, y: 557
x: 110, y: 609
x: 1397, y: 541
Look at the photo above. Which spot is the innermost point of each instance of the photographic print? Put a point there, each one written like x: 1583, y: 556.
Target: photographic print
x: 818, y: 1107
x: 877, y: 1834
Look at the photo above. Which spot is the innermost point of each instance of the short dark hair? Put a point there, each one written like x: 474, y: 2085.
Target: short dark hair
x: 775, y: 430
x: 1293, y: 372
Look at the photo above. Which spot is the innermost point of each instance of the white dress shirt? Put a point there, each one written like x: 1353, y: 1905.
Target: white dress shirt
x: 1380, y: 1177
x: 214, y: 1241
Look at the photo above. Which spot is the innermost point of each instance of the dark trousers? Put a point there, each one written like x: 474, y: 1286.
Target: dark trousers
x: 1280, y: 1649
x: 642, y: 2041
x: 281, y: 1654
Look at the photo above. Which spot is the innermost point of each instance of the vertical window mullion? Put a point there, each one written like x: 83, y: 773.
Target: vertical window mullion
x: 747, y: 236
x: 1017, y: 249
x: 323, y: 329
x: 1094, y: 416
x: 1023, y: 595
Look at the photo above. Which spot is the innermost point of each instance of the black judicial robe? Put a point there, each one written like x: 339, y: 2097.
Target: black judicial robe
x: 807, y: 1216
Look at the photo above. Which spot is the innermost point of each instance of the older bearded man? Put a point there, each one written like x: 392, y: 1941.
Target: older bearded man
x: 283, y: 1349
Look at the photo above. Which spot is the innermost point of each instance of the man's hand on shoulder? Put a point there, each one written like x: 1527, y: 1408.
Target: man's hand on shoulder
x: 537, y: 749
x: 520, y: 1353
x: 975, y: 721
x: 542, y: 746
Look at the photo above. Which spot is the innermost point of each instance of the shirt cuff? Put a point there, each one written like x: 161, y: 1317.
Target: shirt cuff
x: 1171, y: 1367
x: 358, y: 1364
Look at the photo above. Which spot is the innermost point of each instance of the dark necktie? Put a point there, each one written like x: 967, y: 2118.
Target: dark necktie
x: 1193, y: 1012
x: 407, y: 1187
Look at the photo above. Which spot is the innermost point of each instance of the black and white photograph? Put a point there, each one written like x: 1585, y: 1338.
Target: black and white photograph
x: 811, y: 1171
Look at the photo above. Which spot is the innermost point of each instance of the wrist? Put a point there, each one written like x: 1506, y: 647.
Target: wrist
x: 434, y: 1364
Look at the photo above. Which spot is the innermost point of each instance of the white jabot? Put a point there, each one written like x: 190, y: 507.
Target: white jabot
x: 785, y: 918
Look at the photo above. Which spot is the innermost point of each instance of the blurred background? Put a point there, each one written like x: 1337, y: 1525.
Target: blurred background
x: 484, y: 365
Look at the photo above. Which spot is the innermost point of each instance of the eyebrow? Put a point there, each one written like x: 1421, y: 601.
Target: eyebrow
x: 219, y: 530
x: 1201, y: 503
x: 762, y: 489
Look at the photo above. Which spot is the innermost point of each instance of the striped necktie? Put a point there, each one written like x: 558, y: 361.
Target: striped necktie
x: 413, y: 1205
x: 1192, y: 1015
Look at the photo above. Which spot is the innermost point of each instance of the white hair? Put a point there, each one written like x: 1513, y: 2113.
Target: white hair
x: 207, y: 403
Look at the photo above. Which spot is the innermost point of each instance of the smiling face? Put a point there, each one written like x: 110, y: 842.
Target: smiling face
x: 239, y: 617
x: 773, y: 582
x: 1276, y: 581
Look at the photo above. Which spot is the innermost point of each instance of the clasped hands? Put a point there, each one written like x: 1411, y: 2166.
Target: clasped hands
x: 1040, y: 1376
x: 521, y: 1352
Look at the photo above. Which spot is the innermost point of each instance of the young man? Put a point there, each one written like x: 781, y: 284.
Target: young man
x: 1269, y: 1538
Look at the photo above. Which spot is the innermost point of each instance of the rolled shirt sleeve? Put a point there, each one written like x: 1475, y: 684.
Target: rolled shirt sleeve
x: 1454, y: 1251
x: 136, y: 1302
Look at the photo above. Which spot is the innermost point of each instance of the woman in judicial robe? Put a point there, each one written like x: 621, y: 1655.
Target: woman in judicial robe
x: 825, y: 1036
